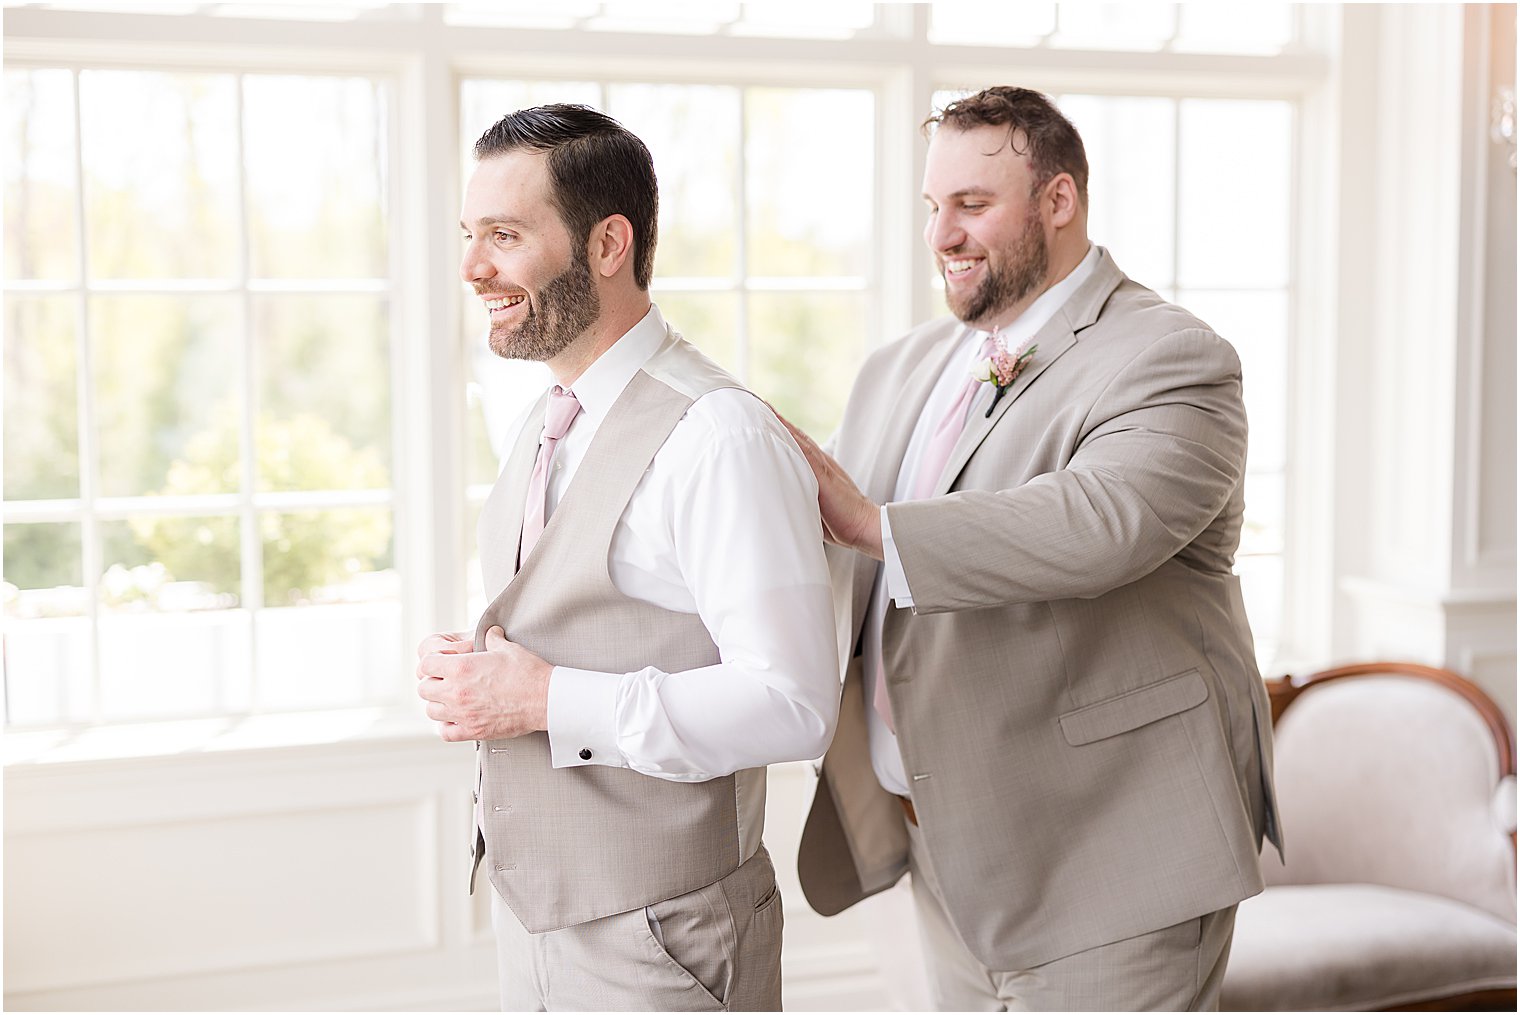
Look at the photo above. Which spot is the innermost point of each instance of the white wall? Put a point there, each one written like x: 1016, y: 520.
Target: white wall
x: 322, y: 877
x: 1424, y: 477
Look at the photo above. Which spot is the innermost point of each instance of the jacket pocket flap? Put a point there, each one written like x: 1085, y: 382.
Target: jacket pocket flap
x: 1134, y: 709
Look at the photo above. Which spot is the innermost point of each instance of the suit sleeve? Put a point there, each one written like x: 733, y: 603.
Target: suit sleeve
x: 1163, y: 450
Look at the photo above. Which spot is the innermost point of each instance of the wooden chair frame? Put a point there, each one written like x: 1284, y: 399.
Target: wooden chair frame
x: 1284, y: 691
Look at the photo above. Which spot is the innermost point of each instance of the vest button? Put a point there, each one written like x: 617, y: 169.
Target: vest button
x: 585, y: 754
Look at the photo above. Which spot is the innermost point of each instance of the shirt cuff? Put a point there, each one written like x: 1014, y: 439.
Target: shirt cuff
x: 897, y: 581
x: 583, y: 718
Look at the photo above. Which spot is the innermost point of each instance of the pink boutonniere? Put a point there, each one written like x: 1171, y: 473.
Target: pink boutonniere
x: 1002, y: 368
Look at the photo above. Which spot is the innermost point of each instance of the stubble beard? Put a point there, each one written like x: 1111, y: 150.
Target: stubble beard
x: 558, y: 313
x: 1021, y: 271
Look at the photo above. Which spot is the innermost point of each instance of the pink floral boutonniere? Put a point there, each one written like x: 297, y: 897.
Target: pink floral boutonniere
x: 1002, y: 368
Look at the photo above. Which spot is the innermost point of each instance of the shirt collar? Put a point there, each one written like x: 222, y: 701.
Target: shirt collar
x: 600, y: 384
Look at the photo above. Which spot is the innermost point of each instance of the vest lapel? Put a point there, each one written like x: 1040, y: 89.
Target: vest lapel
x: 501, y: 518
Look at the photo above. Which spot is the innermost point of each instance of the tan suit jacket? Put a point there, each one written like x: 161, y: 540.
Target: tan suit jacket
x: 1075, y: 688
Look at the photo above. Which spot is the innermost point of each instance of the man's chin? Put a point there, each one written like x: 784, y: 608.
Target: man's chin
x: 512, y: 344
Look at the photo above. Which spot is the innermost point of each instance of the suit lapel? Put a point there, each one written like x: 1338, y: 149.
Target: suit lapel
x: 1055, y: 339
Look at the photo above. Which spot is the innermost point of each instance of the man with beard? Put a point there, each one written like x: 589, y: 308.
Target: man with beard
x: 659, y: 629
x: 1051, y: 711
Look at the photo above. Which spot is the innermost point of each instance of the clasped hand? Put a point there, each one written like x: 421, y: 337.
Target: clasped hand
x: 494, y: 694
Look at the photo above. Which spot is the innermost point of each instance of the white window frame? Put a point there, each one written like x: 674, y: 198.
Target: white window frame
x: 427, y: 59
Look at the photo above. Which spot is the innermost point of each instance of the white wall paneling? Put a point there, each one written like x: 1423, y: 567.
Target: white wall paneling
x: 328, y: 876
x: 1425, y: 479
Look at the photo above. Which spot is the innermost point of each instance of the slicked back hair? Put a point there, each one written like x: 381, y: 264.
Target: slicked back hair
x: 597, y: 168
x: 1036, y: 129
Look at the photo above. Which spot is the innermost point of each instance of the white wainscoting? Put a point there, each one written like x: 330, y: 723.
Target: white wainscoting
x: 318, y: 877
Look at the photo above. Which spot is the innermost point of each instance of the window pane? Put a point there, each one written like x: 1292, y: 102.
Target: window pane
x: 315, y: 160
x: 1256, y: 324
x: 1261, y: 585
x: 1234, y: 28
x: 1131, y: 185
x: 520, y: 13
x: 41, y: 398
x: 805, y: 19
x: 329, y: 656
x: 336, y: 555
x: 805, y: 349
x: 709, y: 321
x: 692, y: 132
x: 47, y: 633
x: 171, y: 563
x: 1129, y: 26
x: 474, y: 583
x: 167, y: 376
x: 324, y: 392
x: 42, y: 563
x: 991, y: 24
x: 337, y: 641
x: 498, y: 394
x: 1234, y: 178
x: 160, y: 158
x: 172, y: 642
x: 1266, y: 503
x: 40, y: 175
x: 800, y: 224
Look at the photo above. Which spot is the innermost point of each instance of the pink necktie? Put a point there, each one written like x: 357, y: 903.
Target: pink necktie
x: 563, y: 408
x: 936, y: 454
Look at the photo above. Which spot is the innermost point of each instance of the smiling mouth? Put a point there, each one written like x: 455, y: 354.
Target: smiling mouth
x: 502, y: 303
x: 957, y: 266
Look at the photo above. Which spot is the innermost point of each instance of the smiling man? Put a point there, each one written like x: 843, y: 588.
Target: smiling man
x: 660, y: 627
x: 1051, y: 709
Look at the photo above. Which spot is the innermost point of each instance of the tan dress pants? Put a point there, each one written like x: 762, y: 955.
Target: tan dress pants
x: 715, y: 949
x: 1178, y: 968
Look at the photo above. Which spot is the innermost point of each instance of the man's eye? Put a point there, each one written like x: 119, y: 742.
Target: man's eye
x: 972, y: 206
x: 502, y: 237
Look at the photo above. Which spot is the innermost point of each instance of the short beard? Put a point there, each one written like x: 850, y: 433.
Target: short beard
x: 1022, y: 271
x: 558, y: 314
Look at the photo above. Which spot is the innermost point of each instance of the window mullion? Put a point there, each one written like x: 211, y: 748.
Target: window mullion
x: 89, y: 452
x: 251, y: 557
x: 741, y: 236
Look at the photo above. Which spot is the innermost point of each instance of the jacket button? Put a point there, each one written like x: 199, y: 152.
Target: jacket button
x: 585, y: 754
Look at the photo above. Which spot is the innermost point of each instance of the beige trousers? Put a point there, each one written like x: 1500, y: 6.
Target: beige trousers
x: 715, y: 949
x: 1178, y: 968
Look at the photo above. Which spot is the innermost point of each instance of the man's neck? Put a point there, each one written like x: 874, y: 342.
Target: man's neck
x: 1065, y: 256
x: 615, y: 322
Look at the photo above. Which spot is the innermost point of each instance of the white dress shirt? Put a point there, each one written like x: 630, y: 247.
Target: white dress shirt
x: 723, y: 525
x: 891, y: 582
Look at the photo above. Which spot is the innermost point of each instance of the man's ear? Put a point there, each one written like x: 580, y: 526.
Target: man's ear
x: 610, y: 245
x: 1060, y: 200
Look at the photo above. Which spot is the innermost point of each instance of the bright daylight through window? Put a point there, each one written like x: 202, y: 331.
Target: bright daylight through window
x: 204, y: 430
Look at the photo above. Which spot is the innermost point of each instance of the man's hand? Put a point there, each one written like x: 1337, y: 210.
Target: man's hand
x: 850, y: 518
x: 448, y: 642
x: 496, y: 694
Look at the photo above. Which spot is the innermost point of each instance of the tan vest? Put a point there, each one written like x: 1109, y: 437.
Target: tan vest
x: 563, y: 846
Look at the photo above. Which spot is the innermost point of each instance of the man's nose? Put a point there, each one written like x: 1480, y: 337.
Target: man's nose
x: 944, y: 233
x: 474, y: 266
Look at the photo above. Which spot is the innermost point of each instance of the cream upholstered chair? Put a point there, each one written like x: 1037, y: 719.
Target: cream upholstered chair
x: 1396, y: 787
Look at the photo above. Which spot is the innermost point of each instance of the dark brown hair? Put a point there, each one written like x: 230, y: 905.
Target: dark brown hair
x: 1050, y: 142
x: 597, y: 168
